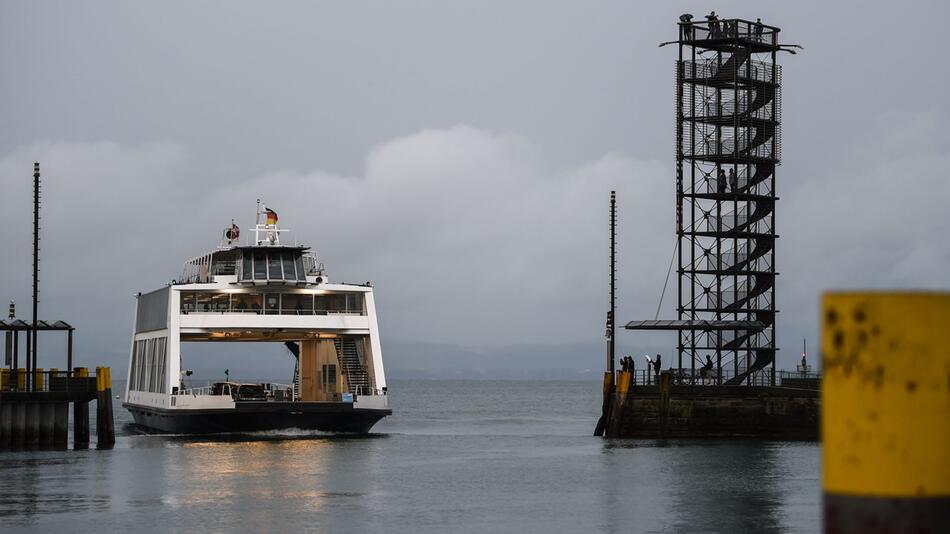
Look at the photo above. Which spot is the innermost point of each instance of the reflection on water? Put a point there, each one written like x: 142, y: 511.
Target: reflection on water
x: 487, y: 456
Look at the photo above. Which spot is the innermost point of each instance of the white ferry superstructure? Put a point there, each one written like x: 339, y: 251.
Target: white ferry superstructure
x: 261, y: 291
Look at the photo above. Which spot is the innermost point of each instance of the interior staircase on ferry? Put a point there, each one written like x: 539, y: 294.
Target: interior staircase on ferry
x: 348, y: 353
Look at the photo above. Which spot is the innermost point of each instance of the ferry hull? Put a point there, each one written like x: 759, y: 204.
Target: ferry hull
x: 255, y: 417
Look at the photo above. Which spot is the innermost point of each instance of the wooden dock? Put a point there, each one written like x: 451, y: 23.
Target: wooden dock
x: 38, y: 417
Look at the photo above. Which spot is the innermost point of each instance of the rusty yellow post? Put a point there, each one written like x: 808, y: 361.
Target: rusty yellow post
x: 886, y: 412
x: 21, y: 379
x: 621, y: 392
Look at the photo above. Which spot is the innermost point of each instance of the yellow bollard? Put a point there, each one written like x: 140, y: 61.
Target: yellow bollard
x: 886, y: 412
x: 38, y: 379
x: 21, y: 379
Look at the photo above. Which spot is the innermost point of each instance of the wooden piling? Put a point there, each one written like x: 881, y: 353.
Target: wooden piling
x: 664, y: 401
x: 31, y: 431
x: 105, y: 426
x: 45, y: 425
x: 885, y: 419
x: 81, y: 417
x: 60, y: 425
x: 607, y: 403
x: 6, y: 425
x: 19, y: 425
x: 622, y: 392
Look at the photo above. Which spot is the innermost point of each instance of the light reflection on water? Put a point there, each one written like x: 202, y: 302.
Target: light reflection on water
x: 470, y: 456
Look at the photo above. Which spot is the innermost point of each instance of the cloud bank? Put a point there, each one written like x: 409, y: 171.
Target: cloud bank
x: 472, y: 240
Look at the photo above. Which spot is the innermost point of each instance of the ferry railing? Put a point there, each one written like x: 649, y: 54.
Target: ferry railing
x: 275, y: 391
x: 187, y: 309
x: 799, y: 373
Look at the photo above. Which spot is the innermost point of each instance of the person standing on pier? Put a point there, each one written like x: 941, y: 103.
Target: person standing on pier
x: 656, y: 367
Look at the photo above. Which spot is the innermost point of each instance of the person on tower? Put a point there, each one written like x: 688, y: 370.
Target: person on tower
x: 687, y: 21
x: 713, y: 24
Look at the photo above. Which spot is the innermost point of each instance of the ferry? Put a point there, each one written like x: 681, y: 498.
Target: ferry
x: 265, y: 290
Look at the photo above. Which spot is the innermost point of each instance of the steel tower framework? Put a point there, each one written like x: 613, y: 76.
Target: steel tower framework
x: 728, y: 144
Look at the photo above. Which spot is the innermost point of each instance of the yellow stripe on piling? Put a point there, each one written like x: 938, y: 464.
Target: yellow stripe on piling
x: 100, y: 379
x: 38, y: 379
x: 886, y: 395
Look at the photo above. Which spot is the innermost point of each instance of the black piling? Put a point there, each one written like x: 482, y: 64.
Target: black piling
x: 81, y: 416
x: 61, y: 425
x: 105, y: 426
x: 6, y: 425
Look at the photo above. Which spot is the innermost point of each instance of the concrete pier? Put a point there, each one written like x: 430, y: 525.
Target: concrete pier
x: 682, y: 411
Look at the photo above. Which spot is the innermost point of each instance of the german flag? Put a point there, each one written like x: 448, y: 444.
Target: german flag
x: 271, y: 216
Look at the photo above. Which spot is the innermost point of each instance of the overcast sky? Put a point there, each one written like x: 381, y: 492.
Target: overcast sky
x: 457, y: 154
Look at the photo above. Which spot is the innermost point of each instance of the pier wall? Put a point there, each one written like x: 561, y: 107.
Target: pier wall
x: 717, y: 412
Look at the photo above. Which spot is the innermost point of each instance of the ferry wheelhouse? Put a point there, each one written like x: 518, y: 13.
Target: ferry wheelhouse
x: 263, y: 291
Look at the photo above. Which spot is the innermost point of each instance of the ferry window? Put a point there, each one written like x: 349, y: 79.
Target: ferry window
x: 320, y: 304
x: 336, y: 303
x: 274, y: 266
x: 354, y: 302
x: 220, y: 302
x: 296, y: 304
x: 289, y: 266
x: 272, y: 303
x: 247, y: 302
x: 187, y: 302
x: 329, y: 374
x: 246, y: 271
x: 203, y: 302
x: 301, y: 274
x: 260, y: 266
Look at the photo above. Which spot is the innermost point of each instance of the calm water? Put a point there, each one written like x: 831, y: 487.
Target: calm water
x: 460, y: 456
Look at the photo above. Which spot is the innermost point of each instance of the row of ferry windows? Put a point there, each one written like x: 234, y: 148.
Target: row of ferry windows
x: 272, y: 265
x: 272, y: 303
x: 149, y: 365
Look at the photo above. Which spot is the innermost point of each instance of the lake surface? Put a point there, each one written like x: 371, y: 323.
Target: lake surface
x: 478, y: 456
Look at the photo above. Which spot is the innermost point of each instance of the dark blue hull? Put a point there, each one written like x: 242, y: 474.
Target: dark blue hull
x: 258, y: 416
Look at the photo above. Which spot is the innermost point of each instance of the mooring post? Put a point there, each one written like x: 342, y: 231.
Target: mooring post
x: 81, y: 416
x: 885, y: 420
x: 105, y: 427
x: 615, y: 424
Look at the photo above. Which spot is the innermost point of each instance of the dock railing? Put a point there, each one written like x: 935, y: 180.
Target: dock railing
x: 686, y: 376
x: 48, y: 380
